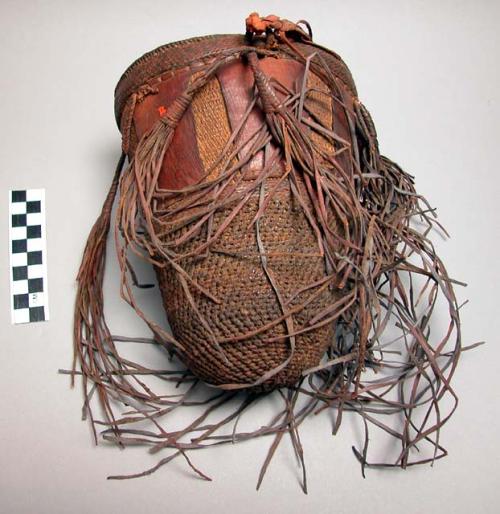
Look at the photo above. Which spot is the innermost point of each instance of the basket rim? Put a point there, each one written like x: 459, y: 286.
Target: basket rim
x: 153, y: 63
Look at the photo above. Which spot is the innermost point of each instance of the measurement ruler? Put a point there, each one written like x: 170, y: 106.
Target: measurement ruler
x: 28, y: 256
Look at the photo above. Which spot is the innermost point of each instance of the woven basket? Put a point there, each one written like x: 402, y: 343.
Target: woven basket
x: 284, y: 247
x: 231, y: 268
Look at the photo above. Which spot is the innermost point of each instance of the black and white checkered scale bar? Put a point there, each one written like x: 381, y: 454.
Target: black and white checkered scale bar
x: 28, y: 264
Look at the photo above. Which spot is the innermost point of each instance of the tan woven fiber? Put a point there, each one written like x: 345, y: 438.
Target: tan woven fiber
x: 211, y: 124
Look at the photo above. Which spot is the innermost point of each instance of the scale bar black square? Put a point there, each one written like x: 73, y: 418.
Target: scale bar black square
x: 21, y: 301
x: 37, y: 314
x: 34, y: 258
x: 35, y: 285
x: 19, y: 272
x: 18, y: 196
x: 32, y: 207
x: 34, y: 232
x: 19, y: 245
x: 19, y: 220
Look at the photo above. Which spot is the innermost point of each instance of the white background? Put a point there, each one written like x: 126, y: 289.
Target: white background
x: 429, y: 73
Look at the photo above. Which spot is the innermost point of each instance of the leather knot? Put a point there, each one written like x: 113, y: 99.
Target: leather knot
x: 176, y: 110
x: 269, y: 99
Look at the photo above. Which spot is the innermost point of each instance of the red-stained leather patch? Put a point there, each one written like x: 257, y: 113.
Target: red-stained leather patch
x: 181, y: 165
x: 237, y: 83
